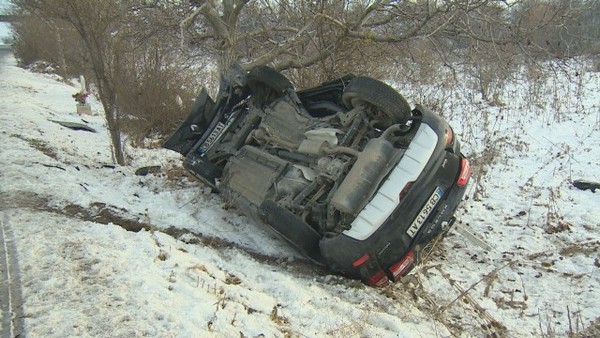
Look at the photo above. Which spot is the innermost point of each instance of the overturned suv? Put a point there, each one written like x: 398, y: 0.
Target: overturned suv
x: 346, y: 171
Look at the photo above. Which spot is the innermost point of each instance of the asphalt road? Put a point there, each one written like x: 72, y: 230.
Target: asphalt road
x: 11, y: 303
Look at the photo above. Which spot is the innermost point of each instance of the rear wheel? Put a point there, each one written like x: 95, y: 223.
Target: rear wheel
x: 390, y: 106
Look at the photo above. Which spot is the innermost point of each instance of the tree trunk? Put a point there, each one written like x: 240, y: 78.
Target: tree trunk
x: 108, y: 97
x: 113, y: 124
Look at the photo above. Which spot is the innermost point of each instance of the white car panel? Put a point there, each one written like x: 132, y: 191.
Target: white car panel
x: 387, y: 199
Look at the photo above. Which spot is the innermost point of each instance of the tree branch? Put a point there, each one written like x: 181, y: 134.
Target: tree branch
x: 187, y: 22
x: 307, y: 61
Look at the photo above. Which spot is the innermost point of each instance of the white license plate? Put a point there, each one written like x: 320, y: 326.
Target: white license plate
x: 422, y: 216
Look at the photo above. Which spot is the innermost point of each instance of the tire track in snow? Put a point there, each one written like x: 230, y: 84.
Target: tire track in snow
x: 11, y: 306
x: 101, y: 213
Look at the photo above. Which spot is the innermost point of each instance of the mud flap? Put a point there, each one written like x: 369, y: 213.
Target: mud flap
x: 204, y: 170
x: 293, y: 229
x: 192, y: 128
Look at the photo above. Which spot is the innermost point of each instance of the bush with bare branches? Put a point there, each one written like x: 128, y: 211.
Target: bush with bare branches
x: 136, y: 52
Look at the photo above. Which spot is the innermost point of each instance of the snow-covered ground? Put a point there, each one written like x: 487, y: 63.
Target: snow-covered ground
x: 104, y: 252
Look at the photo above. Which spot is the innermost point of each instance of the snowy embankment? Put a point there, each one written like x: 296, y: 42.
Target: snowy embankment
x: 528, y: 145
x: 103, y: 252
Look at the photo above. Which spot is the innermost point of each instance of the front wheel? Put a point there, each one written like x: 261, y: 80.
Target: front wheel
x: 266, y: 84
x: 389, y: 106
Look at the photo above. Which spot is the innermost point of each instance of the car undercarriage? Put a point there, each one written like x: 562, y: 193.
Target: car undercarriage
x: 346, y: 171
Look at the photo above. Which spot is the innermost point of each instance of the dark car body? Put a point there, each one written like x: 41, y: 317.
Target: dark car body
x: 345, y: 171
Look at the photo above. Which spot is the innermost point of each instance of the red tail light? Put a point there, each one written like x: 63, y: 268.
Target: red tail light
x: 379, y: 280
x: 399, y: 269
x: 465, y: 172
x: 361, y: 260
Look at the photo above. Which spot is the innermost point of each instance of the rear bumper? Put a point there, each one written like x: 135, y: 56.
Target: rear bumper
x: 398, y: 235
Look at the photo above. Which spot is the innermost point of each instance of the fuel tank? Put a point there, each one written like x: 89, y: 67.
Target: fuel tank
x: 364, y: 177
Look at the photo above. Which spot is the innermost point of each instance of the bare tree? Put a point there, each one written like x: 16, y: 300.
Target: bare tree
x: 107, y: 32
x: 125, y: 42
x: 286, y: 34
x: 97, y: 23
x: 297, y: 34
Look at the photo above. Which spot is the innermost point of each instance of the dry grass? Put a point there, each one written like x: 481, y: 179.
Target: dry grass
x: 585, y: 248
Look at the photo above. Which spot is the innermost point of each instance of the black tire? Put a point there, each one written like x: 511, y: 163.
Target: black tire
x: 375, y: 93
x: 266, y: 84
